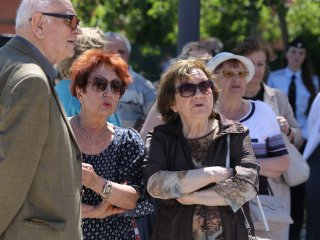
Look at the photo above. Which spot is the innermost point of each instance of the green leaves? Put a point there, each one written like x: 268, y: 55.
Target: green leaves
x: 152, y: 25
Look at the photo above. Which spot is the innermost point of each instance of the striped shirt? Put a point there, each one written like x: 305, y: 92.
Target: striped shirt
x: 265, y: 134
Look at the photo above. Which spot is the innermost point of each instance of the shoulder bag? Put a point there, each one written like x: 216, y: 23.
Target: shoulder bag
x: 298, y: 171
x: 248, y: 227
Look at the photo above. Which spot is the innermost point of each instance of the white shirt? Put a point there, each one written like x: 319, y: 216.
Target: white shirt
x: 313, y: 128
x: 281, y: 80
x: 264, y: 130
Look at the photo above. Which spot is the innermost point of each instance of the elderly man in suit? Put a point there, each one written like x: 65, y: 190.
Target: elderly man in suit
x: 40, y: 161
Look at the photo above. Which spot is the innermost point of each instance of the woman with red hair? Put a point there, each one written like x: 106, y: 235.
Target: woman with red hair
x: 112, y: 156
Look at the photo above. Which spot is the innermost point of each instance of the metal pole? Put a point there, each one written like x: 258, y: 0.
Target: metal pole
x: 188, y: 22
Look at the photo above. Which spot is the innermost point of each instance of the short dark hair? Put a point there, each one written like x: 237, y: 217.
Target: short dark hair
x: 251, y: 45
x: 177, y: 71
x: 90, y: 60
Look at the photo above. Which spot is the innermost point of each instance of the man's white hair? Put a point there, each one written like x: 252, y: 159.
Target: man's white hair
x: 117, y: 35
x: 27, y: 8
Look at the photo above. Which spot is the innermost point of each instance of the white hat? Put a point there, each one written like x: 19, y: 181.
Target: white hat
x: 225, y: 56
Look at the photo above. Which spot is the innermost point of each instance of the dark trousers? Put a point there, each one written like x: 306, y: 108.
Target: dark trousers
x: 297, y: 210
x: 313, y: 196
x: 145, y: 225
x: 298, y: 194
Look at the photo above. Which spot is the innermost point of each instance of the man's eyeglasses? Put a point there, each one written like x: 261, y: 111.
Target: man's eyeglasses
x: 189, y: 89
x: 71, y: 20
x: 230, y: 74
x: 100, y: 84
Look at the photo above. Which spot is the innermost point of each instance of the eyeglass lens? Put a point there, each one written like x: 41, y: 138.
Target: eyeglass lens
x: 74, y: 22
x: 230, y: 74
x: 71, y: 20
x: 100, y: 84
x: 189, y: 89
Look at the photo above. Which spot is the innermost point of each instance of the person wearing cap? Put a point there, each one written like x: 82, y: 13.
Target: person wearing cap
x: 234, y: 72
x: 198, y: 195
x: 298, y: 83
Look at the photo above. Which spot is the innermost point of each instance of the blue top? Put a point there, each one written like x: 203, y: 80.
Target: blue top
x: 120, y: 162
x: 71, y: 104
x: 281, y: 80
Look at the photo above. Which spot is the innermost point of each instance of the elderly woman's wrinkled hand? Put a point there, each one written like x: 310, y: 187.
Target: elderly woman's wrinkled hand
x: 219, y: 174
x: 89, y: 176
x: 106, y: 209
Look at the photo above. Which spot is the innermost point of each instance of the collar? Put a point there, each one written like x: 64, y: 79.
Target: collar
x: 289, y: 73
x: 268, y: 90
x: 226, y: 126
x: 40, y: 59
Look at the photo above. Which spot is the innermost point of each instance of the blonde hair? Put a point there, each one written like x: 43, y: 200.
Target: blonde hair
x: 90, y: 38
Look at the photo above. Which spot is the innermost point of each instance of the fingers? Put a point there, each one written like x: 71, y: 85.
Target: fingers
x: 283, y: 123
x: 105, y: 209
x: 87, y: 166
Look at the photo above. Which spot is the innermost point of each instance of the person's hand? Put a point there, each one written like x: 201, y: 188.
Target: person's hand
x: 106, y: 209
x: 89, y: 176
x: 219, y: 173
x: 284, y: 125
x: 185, y: 200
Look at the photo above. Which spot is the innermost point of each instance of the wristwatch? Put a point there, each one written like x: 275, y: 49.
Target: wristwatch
x: 106, y: 190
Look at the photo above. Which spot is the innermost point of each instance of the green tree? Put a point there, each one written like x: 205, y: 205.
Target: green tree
x: 151, y: 25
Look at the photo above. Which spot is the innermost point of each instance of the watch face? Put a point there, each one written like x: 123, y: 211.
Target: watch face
x: 107, y: 189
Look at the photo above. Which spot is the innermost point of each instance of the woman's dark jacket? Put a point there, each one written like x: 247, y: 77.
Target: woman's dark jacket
x: 166, y: 149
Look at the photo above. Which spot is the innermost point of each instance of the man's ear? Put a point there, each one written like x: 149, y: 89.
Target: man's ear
x: 38, y: 22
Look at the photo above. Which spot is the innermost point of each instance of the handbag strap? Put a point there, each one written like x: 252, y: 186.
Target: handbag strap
x: 264, y: 219
x: 269, y: 189
x: 228, y: 152
x: 248, y: 227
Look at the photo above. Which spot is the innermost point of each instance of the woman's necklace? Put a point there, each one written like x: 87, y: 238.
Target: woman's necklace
x: 91, y: 138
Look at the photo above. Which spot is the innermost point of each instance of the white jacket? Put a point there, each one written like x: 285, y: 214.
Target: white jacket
x: 313, y: 128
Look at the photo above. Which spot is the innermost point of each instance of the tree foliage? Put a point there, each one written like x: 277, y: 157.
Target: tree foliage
x: 152, y: 25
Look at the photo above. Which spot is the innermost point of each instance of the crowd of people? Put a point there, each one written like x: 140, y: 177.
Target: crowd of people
x: 90, y: 149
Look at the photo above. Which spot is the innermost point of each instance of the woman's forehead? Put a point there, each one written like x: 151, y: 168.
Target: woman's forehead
x: 195, y: 73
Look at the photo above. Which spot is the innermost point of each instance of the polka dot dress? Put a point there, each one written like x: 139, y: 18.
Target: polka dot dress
x: 120, y: 162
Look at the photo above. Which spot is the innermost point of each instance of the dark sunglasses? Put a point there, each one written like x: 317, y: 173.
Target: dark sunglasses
x: 71, y: 20
x: 189, y: 89
x: 230, y: 74
x: 100, y: 84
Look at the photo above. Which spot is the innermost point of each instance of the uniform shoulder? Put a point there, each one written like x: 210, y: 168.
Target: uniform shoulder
x: 277, y: 72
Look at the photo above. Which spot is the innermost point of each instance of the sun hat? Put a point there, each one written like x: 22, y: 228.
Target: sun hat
x: 225, y: 56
